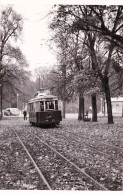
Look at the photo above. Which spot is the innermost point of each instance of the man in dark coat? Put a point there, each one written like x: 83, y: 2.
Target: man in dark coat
x: 25, y: 114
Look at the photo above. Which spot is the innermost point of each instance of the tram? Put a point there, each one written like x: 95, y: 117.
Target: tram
x: 44, y: 109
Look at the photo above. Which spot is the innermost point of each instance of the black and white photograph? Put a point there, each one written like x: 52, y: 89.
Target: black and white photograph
x: 61, y: 96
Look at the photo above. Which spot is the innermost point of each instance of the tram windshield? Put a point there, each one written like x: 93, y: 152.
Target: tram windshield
x: 49, y: 105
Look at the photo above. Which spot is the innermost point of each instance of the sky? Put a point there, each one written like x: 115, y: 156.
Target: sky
x: 35, y: 30
x: 35, y: 35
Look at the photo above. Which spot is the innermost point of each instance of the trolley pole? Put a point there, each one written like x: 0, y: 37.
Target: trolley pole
x: 42, y: 84
x: 17, y: 100
x: 39, y: 82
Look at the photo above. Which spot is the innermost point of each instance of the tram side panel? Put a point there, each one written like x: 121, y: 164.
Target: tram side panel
x: 33, y: 117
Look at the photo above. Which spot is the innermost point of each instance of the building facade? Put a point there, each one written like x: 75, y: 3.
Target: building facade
x: 117, y: 106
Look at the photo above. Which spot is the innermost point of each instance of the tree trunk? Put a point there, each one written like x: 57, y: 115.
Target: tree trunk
x: 63, y: 109
x: 108, y: 101
x: 1, y: 106
x: 81, y: 108
x: 104, y: 108
x: 94, y: 108
x: 122, y: 110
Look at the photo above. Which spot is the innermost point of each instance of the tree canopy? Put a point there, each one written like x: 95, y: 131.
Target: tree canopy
x: 12, y: 61
x: 94, y: 57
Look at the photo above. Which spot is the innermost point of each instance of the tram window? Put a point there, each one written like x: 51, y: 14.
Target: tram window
x: 49, y: 105
x: 56, y: 104
x: 36, y: 106
x: 31, y: 107
x: 42, y: 106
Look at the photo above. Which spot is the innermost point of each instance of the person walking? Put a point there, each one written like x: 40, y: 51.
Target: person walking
x: 25, y: 114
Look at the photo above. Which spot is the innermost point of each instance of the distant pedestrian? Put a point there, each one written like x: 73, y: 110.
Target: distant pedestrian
x: 25, y: 114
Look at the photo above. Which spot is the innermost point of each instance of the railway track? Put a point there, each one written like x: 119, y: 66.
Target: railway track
x: 110, y: 162
x: 99, y: 141
x: 90, y: 143
x: 90, y: 138
x: 21, y: 164
x: 16, y: 172
x: 33, y: 161
x: 60, y: 169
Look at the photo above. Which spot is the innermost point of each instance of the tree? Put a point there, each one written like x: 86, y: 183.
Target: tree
x: 111, y: 33
x: 59, y: 82
x: 41, y: 74
x: 98, y: 16
x: 61, y: 39
x: 10, y: 29
x: 12, y: 61
x: 106, y: 20
x: 15, y: 82
x: 74, y: 49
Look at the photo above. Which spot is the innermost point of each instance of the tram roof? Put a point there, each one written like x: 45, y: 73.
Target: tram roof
x: 43, y: 97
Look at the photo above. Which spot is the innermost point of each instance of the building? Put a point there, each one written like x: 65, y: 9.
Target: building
x: 117, y: 106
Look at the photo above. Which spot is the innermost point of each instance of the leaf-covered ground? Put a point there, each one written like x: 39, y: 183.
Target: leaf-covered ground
x: 94, y: 147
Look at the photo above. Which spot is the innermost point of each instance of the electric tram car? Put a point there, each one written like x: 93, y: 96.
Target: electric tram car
x: 43, y: 109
